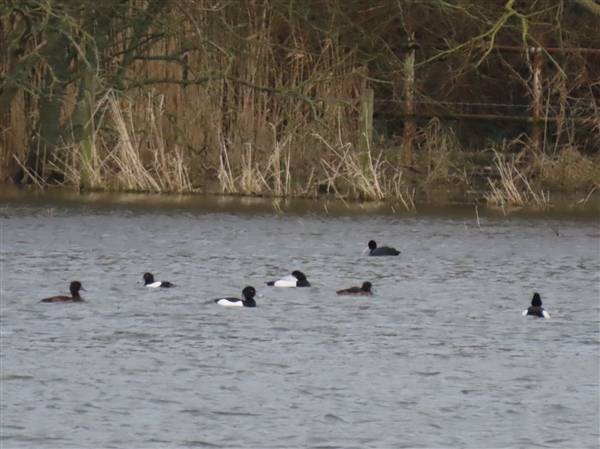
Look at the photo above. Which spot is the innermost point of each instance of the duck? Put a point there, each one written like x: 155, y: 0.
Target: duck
x: 149, y: 282
x: 536, y: 308
x: 248, y: 294
x: 296, y: 279
x: 365, y: 290
x: 74, y: 288
x: 380, y: 251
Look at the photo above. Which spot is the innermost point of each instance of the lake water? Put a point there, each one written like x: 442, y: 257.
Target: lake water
x: 439, y: 357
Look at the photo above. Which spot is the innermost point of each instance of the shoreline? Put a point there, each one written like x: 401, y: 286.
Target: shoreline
x: 575, y: 204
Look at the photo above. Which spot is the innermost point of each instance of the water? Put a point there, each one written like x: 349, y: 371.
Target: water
x: 439, y: 357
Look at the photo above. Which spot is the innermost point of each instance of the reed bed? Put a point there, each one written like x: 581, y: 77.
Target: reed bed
x: 128, y: 151
x: 249, y: 177
x: 363, y: 175
x: 279, y: 167
x: 132, y: 157
x: 338, y: 169
x: 569, y: 170
x: 513, y: 188
x: 264, y: 99
x: 438, y: 144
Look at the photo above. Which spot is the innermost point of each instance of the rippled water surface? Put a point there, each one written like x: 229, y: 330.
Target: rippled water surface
x: 439, y: 357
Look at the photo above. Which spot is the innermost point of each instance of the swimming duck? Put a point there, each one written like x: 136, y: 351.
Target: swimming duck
x: 536, y: 308
x: 296, y: 279
x: 248, y: 294
x: 365, y: 290
x: 150, y: 283
x: 381, y: 251
x: 74, y: 288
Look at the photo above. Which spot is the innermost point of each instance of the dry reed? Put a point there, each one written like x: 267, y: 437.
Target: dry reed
x: 513, y: 187
x: 437, y: 143
x: 260, y: 91
x: 131, y: 159
x: 569, y: 170
x: 340, y: 169
x: 363, y: 175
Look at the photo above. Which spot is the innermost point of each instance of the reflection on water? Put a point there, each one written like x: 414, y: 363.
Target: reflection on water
x: 577, y: 207
x: 439, y: 356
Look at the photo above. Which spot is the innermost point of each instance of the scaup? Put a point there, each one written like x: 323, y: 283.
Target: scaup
x: 536, y: 308
x: 150, y: 283
x: 248, y: 294
x: 296, y: 279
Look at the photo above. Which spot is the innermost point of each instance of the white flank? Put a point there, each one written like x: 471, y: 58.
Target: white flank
x: 228, y: 303
x: 524, y: 313
x: 286, y: 283
x: 154, y: 284
x: 546, y: 314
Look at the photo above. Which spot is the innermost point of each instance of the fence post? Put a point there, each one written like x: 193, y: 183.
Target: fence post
x: 410, y: 125
x: 366, y: 119
x: 537, y: 99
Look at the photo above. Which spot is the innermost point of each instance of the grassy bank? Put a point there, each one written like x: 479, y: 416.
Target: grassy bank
x: 129, y: 153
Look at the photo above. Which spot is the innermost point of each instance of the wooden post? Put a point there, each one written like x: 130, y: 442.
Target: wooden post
x: 537, y: 99
x: 366, y: 119
x: 410, y: 125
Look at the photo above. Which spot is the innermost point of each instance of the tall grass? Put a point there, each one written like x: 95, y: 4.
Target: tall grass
x: 438, y: 143
x: 513, y: 188
x: 526, y: 177
x: 249, y: 177
x: 347, y: 173
x: 132, y: 157
x: 364, y: 175
x: 568, y: 170
x: 264, y: 97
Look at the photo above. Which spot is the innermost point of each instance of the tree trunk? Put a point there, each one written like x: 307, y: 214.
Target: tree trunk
x: 48, y: 130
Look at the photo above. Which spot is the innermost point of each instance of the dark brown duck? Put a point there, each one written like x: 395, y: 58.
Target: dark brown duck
x: 365, y: 290
x: 74, y: 288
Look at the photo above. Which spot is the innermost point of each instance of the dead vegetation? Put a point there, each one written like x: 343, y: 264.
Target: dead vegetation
x: 265, y: 99
x: 133, y: 157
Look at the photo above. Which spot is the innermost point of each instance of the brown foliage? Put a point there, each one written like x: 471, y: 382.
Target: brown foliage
x: 270, y: 84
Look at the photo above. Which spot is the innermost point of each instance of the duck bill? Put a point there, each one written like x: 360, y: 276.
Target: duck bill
x: 366, y: 249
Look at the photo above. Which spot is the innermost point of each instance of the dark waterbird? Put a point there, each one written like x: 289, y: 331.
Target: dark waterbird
x: 151, y: 283
x: 365, y: 290
x: 248, y: 294
x: 380, y: 251
x: 536, y: 308
x: 74, y: 288
x: 296, y: 279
